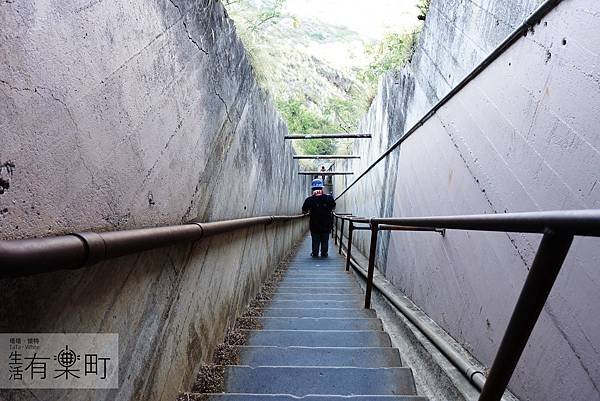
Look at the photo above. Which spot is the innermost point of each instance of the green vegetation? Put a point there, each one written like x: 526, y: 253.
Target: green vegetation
x: 303, y: 121
x: 392, y: 53
x: 312, y: 95
x: 423, y: 7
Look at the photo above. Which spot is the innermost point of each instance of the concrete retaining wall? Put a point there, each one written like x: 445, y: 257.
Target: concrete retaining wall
x: 521, y: 137
x: 128, y: 115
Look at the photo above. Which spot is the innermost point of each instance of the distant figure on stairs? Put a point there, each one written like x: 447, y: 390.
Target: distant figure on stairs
x: 320, y: 206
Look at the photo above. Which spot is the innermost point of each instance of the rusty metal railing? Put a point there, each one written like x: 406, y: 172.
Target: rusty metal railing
x: 41, y: 255
x: 558, y: 229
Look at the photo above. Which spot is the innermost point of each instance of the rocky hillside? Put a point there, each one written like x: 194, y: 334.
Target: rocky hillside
x: 319, y: 68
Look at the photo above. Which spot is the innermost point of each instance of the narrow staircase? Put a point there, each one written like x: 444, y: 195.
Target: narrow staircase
x: 318, y: 343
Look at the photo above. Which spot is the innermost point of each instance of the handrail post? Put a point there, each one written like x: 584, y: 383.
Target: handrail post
x: 334, y: 231
x: 371, y: 271
x: 341, y: 236
x: 541, y: 277
x: 349, y: 249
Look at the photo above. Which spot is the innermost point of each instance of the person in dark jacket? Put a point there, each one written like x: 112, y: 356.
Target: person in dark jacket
x: 320, y: 206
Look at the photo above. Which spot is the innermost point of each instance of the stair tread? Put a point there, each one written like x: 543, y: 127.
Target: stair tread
x: 317, y: 297
x: 366, y: 357
x: 318, y: 290
x: 318, y: 338
x: 319, y: 323
x: 317, y: 343
x: 283, y: 397
x: 319, y: 312
x: 319, y: 380
x: 317, y: 304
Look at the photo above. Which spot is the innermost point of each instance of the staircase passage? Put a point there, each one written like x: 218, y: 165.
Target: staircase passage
x: 318, y: 343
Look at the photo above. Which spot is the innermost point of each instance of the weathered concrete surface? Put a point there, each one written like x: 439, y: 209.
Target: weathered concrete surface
x: 302, y: 381
x: 125, y: 115
x: 521, y: 137
x: 367, y: 357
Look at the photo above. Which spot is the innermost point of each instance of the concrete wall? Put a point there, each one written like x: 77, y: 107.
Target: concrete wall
x: 521, y: 137
x: 122, y: 115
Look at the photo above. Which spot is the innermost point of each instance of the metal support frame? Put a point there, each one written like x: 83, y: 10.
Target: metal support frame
x: 388, y: 227
x: 375, y: 228
x: 328, y: 136
x: 371, y: 270
x: 351, y: 229
x: 334, y: 231
x: 548, y: 261
x: 325, y: 173
x: 349, y: 247
x: 326, y: 157
x: 558, y: 229
x: 341, y: 236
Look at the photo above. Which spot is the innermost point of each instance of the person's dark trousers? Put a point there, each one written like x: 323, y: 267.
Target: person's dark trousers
x: 320, y: 240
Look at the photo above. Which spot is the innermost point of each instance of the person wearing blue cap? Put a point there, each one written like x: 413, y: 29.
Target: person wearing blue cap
x: 320, y: 206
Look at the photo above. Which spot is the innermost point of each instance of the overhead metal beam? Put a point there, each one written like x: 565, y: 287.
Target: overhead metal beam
x: 325, y: 173
x: 326, y: 157
x: 327, y: 136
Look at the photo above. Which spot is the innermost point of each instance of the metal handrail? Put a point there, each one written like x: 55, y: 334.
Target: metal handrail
x: 73, y: 251
x: 317, y: 172
x: 325, y: 157
x: 473, y: 373
x: 328, y: 136
x: 558, y: 229
x: 522, y: 29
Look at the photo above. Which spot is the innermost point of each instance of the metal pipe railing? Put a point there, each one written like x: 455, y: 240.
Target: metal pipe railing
x: 522, y: 29
x: 375, y: 228
x: 41, y: 255
x: 341, y: 235
x: 558, y: 229
x: 325, y: 157
x: 327, y: 136
x: 328, y: 173
x: 576, y: 222
x: 337, y: 216
x: 472, y: 373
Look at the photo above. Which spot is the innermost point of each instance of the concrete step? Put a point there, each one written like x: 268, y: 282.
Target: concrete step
x: 303, y: 284
x: 358, y: 303
x: 310, y: 323
x: 316, y: 274
x: 279, y: 397
x: 319, y: 312
x: 316, y: 297
x: 317, y: 338
x: 340, y: 272
x: 320, y: 277
x: 318, y: 290
x: 319, y: 380
x: 360, y: 357
x: 317, y: 270
x: 317, y: 279
x: 329, y: 262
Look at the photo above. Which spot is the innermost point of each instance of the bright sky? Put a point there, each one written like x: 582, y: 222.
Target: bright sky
x: 370, y: 18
